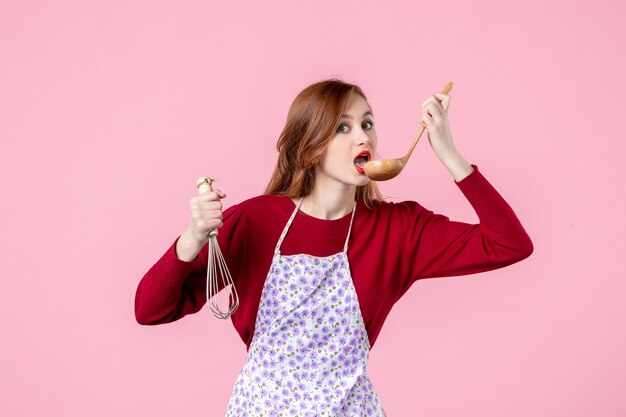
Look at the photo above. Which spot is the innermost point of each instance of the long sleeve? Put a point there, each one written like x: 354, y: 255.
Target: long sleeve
x: 173, y: 288
x: 440, y: 247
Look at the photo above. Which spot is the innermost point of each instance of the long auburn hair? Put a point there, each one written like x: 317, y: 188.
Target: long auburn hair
x: 311, y: 123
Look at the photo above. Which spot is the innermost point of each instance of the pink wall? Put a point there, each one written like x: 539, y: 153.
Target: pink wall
x: 109, y: 111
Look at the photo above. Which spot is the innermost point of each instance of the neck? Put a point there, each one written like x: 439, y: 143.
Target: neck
x: 329, y: 201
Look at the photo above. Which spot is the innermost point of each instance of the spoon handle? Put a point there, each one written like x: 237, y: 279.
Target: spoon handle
x: 446, y: 90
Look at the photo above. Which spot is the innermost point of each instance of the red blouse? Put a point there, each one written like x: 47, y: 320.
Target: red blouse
x: 390, y: 247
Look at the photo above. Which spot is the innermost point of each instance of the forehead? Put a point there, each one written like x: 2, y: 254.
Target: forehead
x: 357, y: 105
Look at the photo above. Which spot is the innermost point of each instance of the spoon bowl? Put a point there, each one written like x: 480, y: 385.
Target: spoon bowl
x: 386, y: 169
x: 383, y: 169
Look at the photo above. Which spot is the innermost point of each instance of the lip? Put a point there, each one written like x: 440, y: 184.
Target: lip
x: 369, y: 158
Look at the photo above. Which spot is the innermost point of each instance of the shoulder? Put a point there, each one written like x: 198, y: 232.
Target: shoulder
x: 263, y: 205
x: 393, y: 217
x: 392, y: 208
x: 266, y: 202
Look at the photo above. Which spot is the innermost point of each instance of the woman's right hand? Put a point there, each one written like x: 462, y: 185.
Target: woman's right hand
x: 206, y: 215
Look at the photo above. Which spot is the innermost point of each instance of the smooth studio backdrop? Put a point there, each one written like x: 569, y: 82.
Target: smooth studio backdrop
x: 110, y: 111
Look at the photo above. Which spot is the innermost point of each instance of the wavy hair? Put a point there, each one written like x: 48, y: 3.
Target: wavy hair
x: 311, y: 123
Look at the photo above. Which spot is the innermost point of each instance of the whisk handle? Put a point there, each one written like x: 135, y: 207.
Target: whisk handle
x: 203, y: 184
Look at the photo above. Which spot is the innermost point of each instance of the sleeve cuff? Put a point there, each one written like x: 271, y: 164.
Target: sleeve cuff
x: 471, y: 179
x: 174, y: 256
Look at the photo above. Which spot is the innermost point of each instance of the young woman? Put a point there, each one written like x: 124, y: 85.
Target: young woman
x: 319, y: 259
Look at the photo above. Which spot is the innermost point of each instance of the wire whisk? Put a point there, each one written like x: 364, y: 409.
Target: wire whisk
x: 217, y: 268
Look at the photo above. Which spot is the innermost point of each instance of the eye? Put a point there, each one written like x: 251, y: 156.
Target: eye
x: 343, y: 128
x: 367, y: 125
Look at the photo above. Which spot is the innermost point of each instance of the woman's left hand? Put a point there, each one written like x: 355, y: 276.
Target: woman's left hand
x: 435, y: 118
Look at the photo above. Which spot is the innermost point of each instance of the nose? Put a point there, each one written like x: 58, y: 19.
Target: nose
x: 362, y: 137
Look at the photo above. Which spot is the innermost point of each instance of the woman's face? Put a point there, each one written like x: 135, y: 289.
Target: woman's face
x: 354, y: 136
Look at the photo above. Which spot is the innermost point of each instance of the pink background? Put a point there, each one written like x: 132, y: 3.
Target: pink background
x: 109, y: 111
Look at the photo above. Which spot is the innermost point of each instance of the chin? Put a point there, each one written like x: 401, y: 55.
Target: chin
x: 362, y: 181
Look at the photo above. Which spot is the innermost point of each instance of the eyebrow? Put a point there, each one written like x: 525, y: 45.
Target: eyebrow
x: 347, y: 116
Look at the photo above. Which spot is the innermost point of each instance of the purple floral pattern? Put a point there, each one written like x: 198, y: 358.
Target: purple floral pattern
x: 309, y: 352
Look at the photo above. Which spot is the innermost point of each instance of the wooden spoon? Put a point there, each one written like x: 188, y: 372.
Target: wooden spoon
x: 386, y: 169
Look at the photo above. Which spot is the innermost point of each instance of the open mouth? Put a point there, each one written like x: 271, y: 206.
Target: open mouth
x: 360, y: 161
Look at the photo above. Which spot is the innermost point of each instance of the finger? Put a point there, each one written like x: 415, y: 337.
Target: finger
x: 208, y: 196
x: 435, y: 101
x: 445, y: 100
x: 439, y: 109
x: 426, y: 120
x: 201, y: 214
x: 435, y: 111
x: 211, y: 214
x: 211, y: 205
x: 209, y: 225
x: 203, y: 198
x: 436, y: 97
